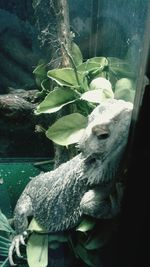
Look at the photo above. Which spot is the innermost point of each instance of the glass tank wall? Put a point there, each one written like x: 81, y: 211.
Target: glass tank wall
x: 50, y: 52
x: 28, y: 35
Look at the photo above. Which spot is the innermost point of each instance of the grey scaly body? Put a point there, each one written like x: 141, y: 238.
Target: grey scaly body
x: 83, y: 185
x: 55, y: 205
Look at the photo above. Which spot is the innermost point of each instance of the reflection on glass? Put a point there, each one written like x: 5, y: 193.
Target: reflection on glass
x: 28, y: 36
x: 68, y: 76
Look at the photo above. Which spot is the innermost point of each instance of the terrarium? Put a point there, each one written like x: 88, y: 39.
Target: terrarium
x: 73, y: 75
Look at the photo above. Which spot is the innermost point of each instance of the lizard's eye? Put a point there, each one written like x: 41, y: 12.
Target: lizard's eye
x: 101, y: 131
x: 103, y: 136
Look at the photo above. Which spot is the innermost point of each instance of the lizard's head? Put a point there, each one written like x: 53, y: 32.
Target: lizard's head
x: 107, y: 129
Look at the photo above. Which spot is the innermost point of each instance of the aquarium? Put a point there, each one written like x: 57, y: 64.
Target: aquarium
x: 73, y: 77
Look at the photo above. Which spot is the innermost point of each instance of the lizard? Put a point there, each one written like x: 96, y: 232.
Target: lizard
x: 83, y: 185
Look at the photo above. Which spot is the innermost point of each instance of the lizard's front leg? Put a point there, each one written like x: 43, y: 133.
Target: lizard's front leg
x: 22, y: 211
x: 96, y: 204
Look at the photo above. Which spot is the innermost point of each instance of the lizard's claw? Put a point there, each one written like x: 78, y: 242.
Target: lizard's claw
x: 15, y: 246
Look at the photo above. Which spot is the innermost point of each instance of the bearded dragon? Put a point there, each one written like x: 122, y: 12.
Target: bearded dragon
x: 83, y: 185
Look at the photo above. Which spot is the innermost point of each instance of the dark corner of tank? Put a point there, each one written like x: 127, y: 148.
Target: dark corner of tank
x: 59, y: 60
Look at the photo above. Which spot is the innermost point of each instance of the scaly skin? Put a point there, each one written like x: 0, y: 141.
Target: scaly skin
x: 83, y: 185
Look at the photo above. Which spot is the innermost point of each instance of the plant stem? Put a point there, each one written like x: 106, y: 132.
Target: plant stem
x: 72, y: 63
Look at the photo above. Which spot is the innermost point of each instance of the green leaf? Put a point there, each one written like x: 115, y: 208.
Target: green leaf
x: 101, y: 90
x: 90, y: 258
x: 100, y: 83
x: 76, y: 54
x: 4, y: 249
x: 34, y: 226
x: 56, y: 99
x: 4, y: 239
x: 54, y: 245
x: 97, y: 96
x: 54, y: 240
x: 40, y: 73
x: 4, y: 244
x: 57, y: 237
x: 4, y: 253
x: 4, y: 224
x: 45, y: 84
x: 93, y: 64
x: 120, y: 68
x: 126, y: 95
x: 37, y: 250
x: 5, y: 263
x: 66, y: 77
x: 87, y: 224
x: 68, y: 129
x: 125, y: 89
x: 99, y: 236
x: 97, y: 241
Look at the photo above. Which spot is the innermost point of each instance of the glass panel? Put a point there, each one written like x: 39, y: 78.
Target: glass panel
x: 110, y: 28
x: 28, y: 37
x: 46, y: 96
x: 20, y: 52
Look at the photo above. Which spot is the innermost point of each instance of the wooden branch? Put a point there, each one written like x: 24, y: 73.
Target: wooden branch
x: 63, y: 29
x: 18, y: 126
x: 61, y: 10
x: 17, y: 103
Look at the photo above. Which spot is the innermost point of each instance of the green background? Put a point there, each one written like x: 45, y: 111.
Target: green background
x: 13, y: 178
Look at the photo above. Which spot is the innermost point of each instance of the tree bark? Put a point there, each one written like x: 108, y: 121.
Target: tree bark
x: 20, y: 129
x: 61, y: 10
x: 17, y: 102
